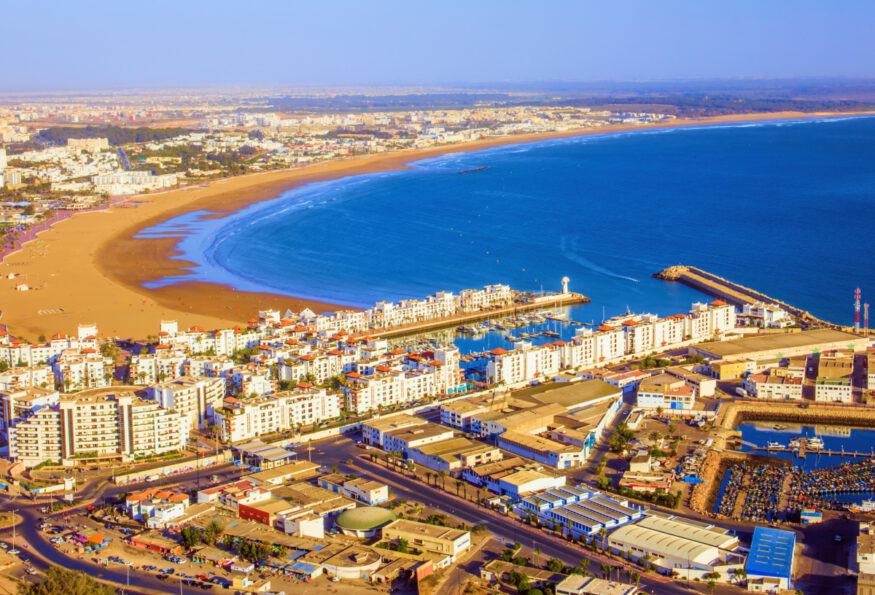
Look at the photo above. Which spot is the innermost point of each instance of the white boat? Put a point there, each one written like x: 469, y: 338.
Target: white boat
x: 796, y: 443
x: 773, y: 445
x: 814, y: 443
x: 866, y: 506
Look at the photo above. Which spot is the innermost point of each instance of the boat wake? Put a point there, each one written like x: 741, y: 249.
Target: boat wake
x: 571, y: 252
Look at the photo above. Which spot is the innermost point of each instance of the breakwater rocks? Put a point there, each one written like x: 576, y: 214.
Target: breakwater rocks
x: 733, y: 292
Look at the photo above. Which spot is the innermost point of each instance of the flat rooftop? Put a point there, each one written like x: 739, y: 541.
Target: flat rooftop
x: 776, y: 341
x: 575, y: 394
x: 394, y: 422
x: 424, y: 529
x: 771, y: 553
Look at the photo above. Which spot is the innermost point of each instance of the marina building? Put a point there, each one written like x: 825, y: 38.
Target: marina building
x: 770, y: 562
x: 678, y: 545
x: 782, y: 345
x: 834, y: 375
x: 870, y: 370
x: 665, y: 391
x: 578, y: 511
x: 773, y: 386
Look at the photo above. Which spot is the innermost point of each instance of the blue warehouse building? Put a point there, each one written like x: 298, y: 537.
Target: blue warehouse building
x: 770, y: 562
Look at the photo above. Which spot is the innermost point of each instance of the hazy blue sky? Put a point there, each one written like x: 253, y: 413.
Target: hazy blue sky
x: 82, y: 45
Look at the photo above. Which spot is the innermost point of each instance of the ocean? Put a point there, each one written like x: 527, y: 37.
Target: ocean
x: 779, y: 206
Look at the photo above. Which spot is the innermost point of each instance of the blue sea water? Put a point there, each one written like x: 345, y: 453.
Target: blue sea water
x: 784, y: 207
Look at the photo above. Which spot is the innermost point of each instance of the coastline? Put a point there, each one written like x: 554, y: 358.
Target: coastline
x: 90, y: 268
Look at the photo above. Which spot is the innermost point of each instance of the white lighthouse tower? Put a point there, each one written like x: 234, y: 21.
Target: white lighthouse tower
x: 565, y: 281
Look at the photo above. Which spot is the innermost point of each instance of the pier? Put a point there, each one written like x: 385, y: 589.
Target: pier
x: 539, y: 303
x: 801, y: 452
x: 735, y: 293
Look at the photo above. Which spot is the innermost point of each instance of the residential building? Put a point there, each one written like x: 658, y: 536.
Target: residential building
x: 195, y: 398
x: 101, y: 423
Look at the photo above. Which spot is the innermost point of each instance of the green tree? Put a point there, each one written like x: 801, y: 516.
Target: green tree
x: 62, y: 581
x: 606, y: 570
x: 403, y: 545
x: 190, y: 537
x: 555, y: 565
x: 584, y: 563
x: 212, y: 532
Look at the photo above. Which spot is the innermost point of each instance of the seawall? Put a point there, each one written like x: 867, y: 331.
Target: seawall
x: 734, y: 293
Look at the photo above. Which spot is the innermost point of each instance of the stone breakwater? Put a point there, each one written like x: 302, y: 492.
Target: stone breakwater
x: 734, y: 293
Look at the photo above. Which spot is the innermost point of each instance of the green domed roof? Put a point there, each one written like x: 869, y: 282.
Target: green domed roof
x: 365, y: 518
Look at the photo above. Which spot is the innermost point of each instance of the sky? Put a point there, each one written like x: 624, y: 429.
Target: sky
x: 63, y: 45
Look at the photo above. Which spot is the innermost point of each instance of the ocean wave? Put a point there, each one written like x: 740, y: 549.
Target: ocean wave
x: 569, y: 250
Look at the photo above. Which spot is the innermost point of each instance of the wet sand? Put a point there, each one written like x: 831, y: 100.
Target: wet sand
x: 90, y: 268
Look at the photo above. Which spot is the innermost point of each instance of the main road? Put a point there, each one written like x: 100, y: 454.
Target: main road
x: 341, y: 450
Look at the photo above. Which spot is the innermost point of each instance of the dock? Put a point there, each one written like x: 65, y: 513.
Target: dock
x: 539, y: 303
x: 801, y: 452
x: 734, y: 293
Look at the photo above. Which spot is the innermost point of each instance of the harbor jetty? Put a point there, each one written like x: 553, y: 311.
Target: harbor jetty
x: 733, y: 414
x: 538, y: 303
x: 734, y: 293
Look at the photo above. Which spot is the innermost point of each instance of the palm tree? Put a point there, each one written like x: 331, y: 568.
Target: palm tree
x: 606, y: 569
x: 584, y: 563
x: 428, y: 475
x: 636, y: 578
x: 537, y: 556
x: 443, y: 475
x: 458, y: 486
x: 603, y: 533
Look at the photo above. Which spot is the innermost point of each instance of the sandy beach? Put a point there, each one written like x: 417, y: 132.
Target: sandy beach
x: 90, y: 268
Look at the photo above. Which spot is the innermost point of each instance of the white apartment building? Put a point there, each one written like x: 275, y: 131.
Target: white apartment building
x: 77, y: 370
x: 98, y: 423
x: 162, y: 365
x: 522, y: 364
x: 194, y: 398
x: 19, y: 403
x: 27, y: 377
x: 245, y: 419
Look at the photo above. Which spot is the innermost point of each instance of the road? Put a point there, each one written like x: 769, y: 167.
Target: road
x: 27, y: 531
x: 338, y: 451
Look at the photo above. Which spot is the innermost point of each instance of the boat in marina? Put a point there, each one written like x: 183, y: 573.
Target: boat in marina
x: 795, y: 443
x: 864, y: 506
x: 779, y: 427
x: 772, y: 445
x: 814, y: 443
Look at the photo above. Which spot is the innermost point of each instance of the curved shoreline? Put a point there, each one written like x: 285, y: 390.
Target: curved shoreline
x: 91, y: 268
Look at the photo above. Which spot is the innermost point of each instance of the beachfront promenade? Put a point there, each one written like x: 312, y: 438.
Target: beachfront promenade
x: 538, y: 303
